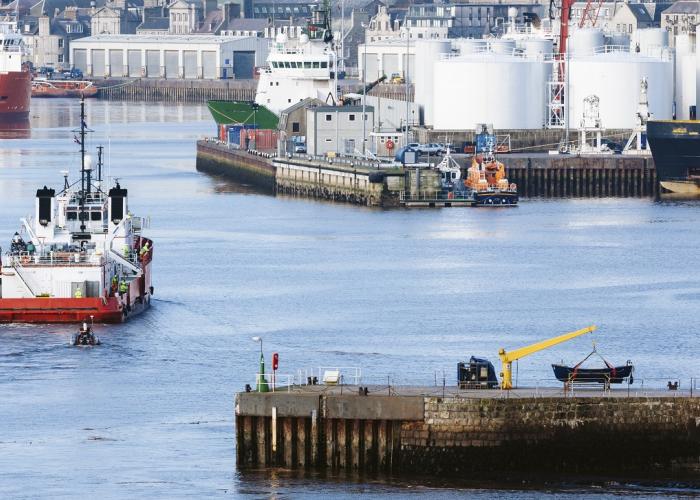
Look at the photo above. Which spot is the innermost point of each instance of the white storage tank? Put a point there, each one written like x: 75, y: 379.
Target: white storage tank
x: 502, y: 46
x: 537, y: 48
x: 620, y: 40
x: 650, y: 41
x: 615, y: 78
x: 427, y: 52
x: 586, y: 41
x: 466, y: 46
x: 686, y: 68
x: 505, y: 90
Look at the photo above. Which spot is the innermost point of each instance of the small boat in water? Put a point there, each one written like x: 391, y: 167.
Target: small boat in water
x: 85, y: 337
x: 63, y: 88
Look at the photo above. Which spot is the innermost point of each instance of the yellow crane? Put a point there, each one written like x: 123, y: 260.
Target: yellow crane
x: 507, y: 358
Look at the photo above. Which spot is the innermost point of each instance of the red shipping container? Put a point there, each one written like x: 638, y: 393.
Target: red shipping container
x: 259, y: 139
x: 223, y: 133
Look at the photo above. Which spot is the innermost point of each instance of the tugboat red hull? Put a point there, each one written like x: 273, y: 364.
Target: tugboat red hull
x: 112, y: 309
x: 52, y: 310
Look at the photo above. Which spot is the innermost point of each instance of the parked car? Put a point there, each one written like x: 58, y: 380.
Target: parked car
x: 430, y: 149
x: 413, y: 146
x: 300, y: 148
x: 614, y: 147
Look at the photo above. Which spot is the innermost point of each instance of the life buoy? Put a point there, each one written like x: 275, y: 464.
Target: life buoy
x: 389, y: 144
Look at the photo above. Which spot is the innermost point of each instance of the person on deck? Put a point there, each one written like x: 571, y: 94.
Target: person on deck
x: 123, y: 287
x: 144, y: 250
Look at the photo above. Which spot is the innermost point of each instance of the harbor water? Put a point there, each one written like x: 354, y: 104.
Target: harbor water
x: 402, y: 295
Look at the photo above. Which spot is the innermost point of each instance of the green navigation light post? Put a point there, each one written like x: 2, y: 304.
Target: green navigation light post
x: 261, y: 384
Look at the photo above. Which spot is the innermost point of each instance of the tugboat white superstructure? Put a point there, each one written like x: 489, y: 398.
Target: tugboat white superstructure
x: 81, y: 254
x: 301, y: 68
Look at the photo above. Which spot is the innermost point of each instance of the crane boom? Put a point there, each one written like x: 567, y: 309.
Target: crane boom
x: 507, y: 358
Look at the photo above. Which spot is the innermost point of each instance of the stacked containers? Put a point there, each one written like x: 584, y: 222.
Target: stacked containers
x: 234, y: 133
x: 258, y: 139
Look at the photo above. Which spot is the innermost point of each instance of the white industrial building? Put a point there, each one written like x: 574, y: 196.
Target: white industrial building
x: 169, y: 56
x: 388, y: 57
x: 337, y: 129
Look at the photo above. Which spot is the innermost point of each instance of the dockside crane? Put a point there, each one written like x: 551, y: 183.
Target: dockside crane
x: 507, y: 358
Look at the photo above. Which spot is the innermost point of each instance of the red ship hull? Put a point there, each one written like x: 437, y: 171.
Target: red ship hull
x: 15, y: 95
x: 113, y: 309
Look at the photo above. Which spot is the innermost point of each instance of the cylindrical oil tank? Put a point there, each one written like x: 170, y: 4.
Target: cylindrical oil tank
x: 586, y: 41
x: 466, y: 46
x: 650, y: 41
x: 502, y: 46
x: 686, y: 69
x: 505, y: 90
x: 619, y: 40
x: 537, y: 48
x: 427, y: 52
x: 615, y: 78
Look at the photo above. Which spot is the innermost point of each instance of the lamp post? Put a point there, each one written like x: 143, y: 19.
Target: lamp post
x: 261, y: 384
x: 364, y: 95
x: 408, y: 38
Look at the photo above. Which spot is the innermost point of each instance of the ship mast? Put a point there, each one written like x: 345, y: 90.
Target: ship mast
x: 99, y: 163
x: 82, y: 164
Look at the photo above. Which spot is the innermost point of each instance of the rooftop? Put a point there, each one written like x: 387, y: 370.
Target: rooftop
x: 343, y: 109
x: 684, y: 7
x: 192, y: 39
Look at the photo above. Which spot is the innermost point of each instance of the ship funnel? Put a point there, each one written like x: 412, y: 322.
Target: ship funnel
x: 117, y: 204
x: 44, y: 208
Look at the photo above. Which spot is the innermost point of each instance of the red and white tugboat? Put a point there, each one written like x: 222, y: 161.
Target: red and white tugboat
x: 81, y: 255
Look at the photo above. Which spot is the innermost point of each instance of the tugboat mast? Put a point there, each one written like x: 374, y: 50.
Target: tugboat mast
x: 82, y: 164
x: 99, y: 163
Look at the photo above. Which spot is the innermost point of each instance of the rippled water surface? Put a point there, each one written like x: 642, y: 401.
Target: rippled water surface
x: 399, y: 294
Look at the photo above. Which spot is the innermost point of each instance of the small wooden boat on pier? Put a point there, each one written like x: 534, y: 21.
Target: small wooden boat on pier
x: 608, y: 374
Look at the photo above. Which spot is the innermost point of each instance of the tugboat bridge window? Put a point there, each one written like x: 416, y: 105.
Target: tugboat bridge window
x: 324, y: 64
x: 72, y: 215
x: 329, y: 118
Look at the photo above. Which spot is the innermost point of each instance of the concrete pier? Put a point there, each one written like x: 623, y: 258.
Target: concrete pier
x: 469, y: 433
x: 354, y: 181
x: 239, y: 165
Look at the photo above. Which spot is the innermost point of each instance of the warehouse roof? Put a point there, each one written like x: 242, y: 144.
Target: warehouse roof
x: 191, y: 39
x: 683, y: 7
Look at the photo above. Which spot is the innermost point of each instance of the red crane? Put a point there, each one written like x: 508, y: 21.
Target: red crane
x: 590, y: 13
x: 564, y: 24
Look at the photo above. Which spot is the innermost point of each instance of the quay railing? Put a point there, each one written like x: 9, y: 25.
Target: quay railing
x: 275, y: 381
x: 440, y: 383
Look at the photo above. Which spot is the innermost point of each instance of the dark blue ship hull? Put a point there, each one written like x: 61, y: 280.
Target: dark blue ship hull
x: 675, y: 146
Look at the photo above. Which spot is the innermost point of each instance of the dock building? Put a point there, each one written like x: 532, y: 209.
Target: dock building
x: 169, y: 56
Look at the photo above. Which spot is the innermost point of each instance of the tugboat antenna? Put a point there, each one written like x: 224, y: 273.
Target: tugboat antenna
x: 99, y: 163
